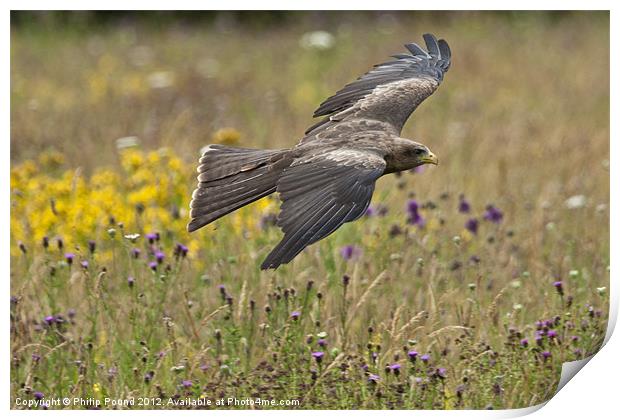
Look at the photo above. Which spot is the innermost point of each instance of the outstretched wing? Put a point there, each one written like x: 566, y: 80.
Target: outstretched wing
x: 391, y: 91
x: 320, y: 193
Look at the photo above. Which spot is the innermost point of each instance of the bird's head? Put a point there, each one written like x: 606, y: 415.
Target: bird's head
x: 408, y: 154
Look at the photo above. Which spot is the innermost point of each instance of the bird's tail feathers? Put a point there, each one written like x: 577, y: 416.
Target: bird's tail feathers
x: 230, y: 178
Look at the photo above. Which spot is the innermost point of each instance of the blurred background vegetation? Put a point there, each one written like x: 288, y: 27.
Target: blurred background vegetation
x: 176, y: 78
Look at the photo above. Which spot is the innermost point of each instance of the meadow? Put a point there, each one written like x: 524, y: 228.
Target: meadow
x: 465, y: 285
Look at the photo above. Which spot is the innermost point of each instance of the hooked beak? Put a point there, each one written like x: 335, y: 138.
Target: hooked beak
x: 431, y: 158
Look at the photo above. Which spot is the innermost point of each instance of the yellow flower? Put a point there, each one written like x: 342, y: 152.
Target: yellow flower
x: 145, y: 195
x: 151, y: 193
x: 131, y: 159
x: 154, y: 158
x: 175, y: 164
x: 51, y: 159
x: 97, y: 390
x: 226, y: 136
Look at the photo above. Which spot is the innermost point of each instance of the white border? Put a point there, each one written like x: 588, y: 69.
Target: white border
x: 591, y: 394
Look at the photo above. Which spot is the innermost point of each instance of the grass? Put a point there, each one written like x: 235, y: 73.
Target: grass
x: 521, y: 123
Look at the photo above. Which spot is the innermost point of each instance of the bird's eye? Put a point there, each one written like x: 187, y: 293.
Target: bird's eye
x: 419, y: 151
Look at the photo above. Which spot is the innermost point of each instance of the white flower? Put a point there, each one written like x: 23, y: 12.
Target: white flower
x: 132, y: 236
x: 161, y: 79
x: 575, y: 202
x: 320, y: 40
x: 126, y: 142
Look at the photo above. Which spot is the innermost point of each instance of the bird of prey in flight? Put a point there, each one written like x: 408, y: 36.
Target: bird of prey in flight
x: 328, y: 178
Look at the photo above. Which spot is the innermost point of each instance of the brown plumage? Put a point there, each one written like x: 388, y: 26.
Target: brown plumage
x: 329, y: 177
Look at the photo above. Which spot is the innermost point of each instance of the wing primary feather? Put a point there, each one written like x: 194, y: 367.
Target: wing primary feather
x: 431, y: 44
x: 291, y: 242
x: 416, y: 49
x: 444, y: 48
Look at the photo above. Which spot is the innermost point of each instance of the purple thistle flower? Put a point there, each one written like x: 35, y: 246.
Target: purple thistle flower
x: 382, y: 210
x: 38, y: 395
x: 538, y: 338
x: 135, y: 253
x: 441, y: 373
x: 222, y: 290
x: 159, y: 256
x: 153, y: 265
x: 493, y: 214
x: 84, y: 264
x: 318, y: 356
x: 425, y: 358
x: 69, y: 257
x: 152, y: 237
x: 184, y: 250
x: 295, y: 315
x: 412, y: 206
x: 181, y: 250
x: 370, y: 211
x: 395, y: 368
x: 578, y: 352
x: 552, y: 334
x: 574, y: 338
x: 112, y: 372
x: 59, y: 243
x: 350, y: 252
x: 412, y: 355
x: 322, y: 342
x: 92, y: 246
x: 71, y: 313
x: 414, y: 217
x: 472, y: 225
x: 524, y: 342
x: 130, y: 281
x: 36, y: 357
x: 374, y: 356
x: 464, y: 206
x: 187, y: 384
x: 546, y: 355
x: 365, y: 368
x: 148, y: 376
x: 559, y: 287
x: 46, y: 242
x: 50, y: 319
x: 373, y: 379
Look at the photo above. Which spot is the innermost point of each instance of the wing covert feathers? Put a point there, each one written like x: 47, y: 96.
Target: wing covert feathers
x: 319, y: 194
